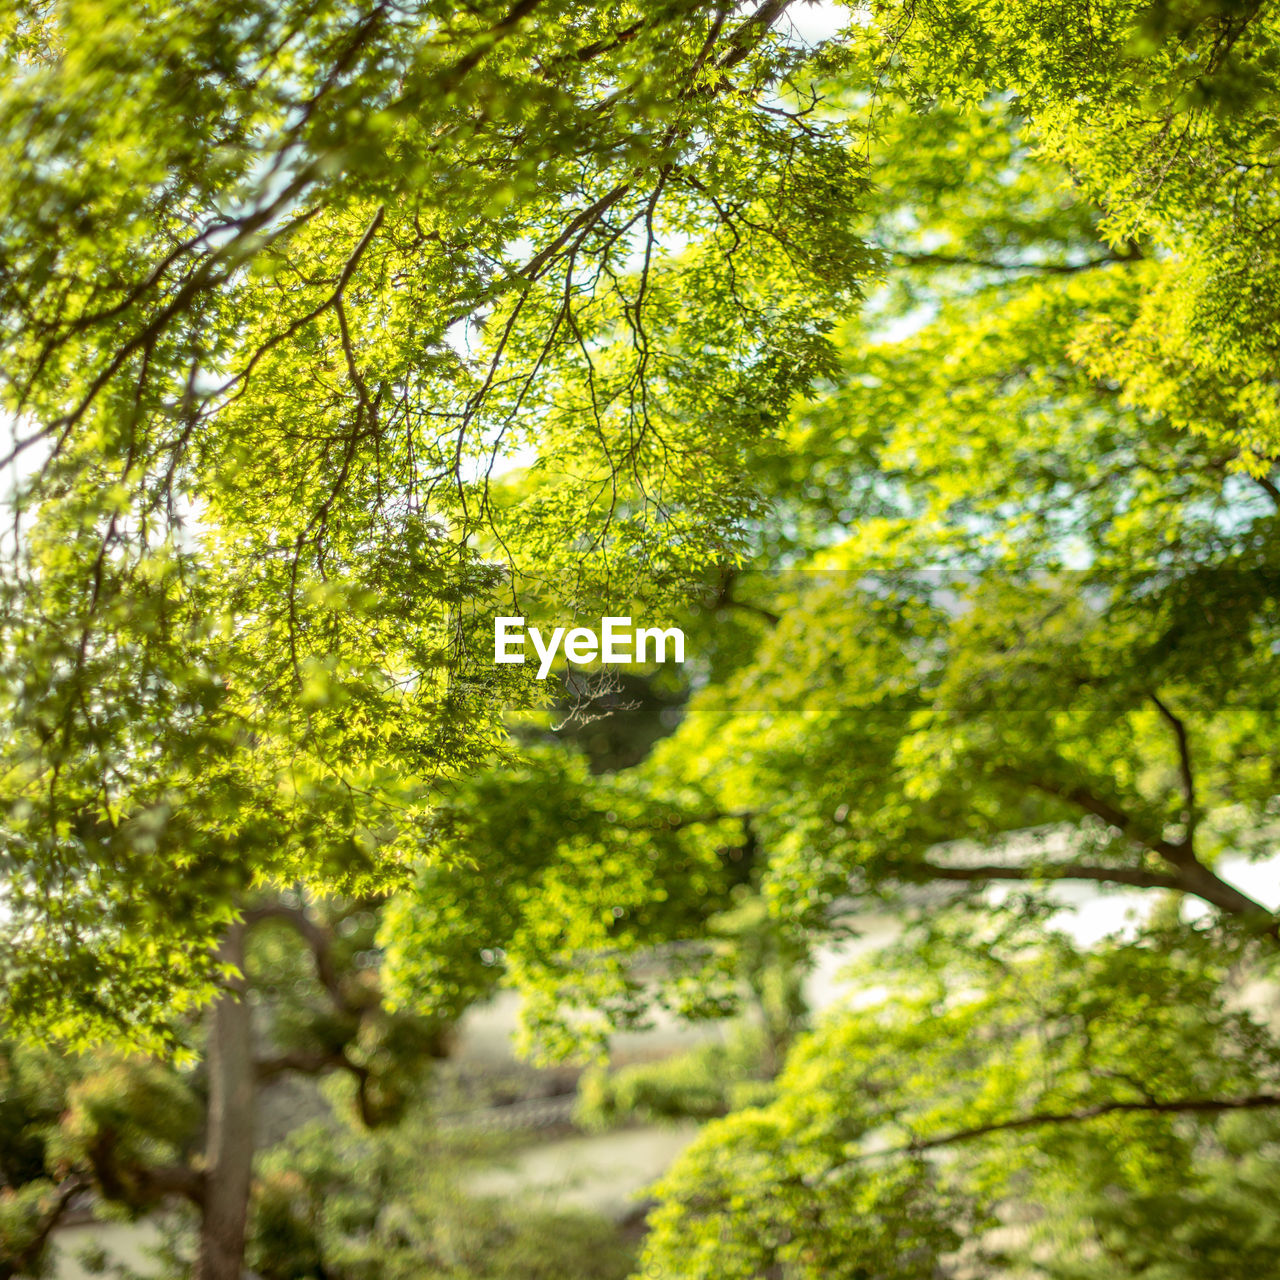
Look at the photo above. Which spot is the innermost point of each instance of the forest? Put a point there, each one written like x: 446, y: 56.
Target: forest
x: 916, y: 363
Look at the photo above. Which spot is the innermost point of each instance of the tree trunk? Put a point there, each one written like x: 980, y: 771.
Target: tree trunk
x: 230, y: 1141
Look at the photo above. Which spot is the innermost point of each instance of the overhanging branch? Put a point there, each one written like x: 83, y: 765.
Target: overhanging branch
x: 1190, y: 874
x: 1055, y: 871
x: 1078, y: 1115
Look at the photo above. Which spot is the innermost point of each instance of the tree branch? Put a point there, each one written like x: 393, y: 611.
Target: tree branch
x: 1041, y: 1119
x: 306, y: 1062
x: 1193, y: 876
x: 1185, y: 769
x: 140, y: 1185
x: 725, y: 599
x: 319, y: 942
x: 1055, y: 871
x: 1082, y: 797
x: 1268, y: 487
x: 175, y: 1180
x: 744, y: 37
x: 26, y: 1259
x: 990, y: 264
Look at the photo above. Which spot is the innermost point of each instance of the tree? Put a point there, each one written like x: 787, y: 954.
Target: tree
x: 272, y: 370
x: 338, y: 1204
x: 141, y: 1133
x: 285, y: 289
x: 1161, y: 115
x: 553, y: 880
x: 1002, y: 1074
x: 1031, y: 638
x: 869, y: 725
x: 1042, y: 648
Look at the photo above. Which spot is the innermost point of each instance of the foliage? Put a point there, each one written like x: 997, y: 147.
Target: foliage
x: 587, y: 872
x: 287, y: 289
x: 334, y: 1203
x: 1031, y: 639
x: 127, y: 1129
x: 699, y: 1084
x: 329, y: 331
x: 993, y: 664
x: 1218, y: 1220
x: 998, y: 1071
x: 1014, y: 729
x: 1163, y: 114
x: 118, y: 1125
x: 1027, y: 578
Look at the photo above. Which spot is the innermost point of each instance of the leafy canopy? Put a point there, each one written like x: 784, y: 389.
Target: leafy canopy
x: 288, y: 289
